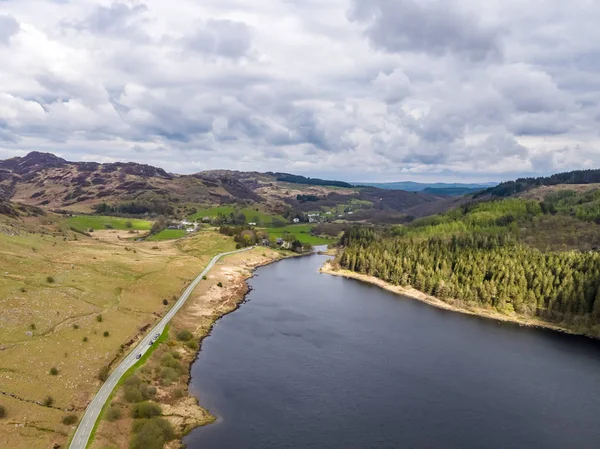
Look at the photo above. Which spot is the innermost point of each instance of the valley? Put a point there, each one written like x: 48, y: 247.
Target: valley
x: 93, y: 255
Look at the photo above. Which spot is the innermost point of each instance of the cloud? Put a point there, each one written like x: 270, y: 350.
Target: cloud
x: 352, y: 89
x: 8, y: 27
x: 529, y: 89
x: 393, y: 87
x: 118, y: 19
x: 224, y: 38
x: 430, y: 26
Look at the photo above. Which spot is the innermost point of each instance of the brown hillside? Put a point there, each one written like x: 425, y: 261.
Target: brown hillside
x: 43, y: 179
x: 539, y: 193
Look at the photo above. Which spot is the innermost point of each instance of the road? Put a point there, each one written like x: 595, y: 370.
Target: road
x: 84, y: 430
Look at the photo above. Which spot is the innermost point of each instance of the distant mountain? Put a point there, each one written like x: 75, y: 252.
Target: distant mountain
x: 452, y: 191
x: 437, y: 188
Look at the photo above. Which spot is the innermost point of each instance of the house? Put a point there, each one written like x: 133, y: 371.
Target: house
x: 296, y: 220
x: 251, y: 224
x: 206, y: 219
x: 328, y: 212
x: 279, y: 241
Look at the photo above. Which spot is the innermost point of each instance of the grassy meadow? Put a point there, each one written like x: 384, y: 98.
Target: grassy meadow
x: 302, y: 233
x: 86, y: 222
x: 69, y: 304
x: 168, y: 234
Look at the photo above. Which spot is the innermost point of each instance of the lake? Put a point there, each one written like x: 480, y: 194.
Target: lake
x: 316, y: 361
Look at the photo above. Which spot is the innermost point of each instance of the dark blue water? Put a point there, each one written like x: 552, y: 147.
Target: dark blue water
x: 315, y: 361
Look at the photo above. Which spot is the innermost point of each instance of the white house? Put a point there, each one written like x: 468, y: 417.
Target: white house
x: 296, y: 220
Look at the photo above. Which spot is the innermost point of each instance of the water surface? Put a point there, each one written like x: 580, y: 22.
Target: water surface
x: 316, y: 361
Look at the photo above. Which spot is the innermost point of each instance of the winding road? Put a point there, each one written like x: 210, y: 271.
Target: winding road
x: 84, y: 430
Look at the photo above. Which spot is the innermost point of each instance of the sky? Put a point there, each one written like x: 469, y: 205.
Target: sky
x: 356, y: 90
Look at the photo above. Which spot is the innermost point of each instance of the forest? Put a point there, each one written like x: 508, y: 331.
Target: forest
x: 483, y: 255
x: 506, y: 189
x: 297, y: 179
x: 135, y: 208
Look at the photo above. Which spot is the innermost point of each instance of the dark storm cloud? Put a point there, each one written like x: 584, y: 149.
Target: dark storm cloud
x: 436, y: 27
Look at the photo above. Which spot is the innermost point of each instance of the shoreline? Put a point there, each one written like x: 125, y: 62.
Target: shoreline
x: 413, y: 293
x: 223, y: 291
x: 238, y: 296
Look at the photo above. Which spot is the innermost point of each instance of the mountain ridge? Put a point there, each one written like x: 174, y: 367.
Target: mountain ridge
x: 46, y: 180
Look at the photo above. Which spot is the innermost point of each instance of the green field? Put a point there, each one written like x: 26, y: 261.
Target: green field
x: 86, y: 222
x: 168, y: 234
x: 302, y: 233
x: 251, y: 214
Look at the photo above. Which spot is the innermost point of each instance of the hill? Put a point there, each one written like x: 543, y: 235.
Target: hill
x: 577, y: 177
x: 534, y: 256
x: 43, y: 179
x: 512, y: 257
x: 46, y: 180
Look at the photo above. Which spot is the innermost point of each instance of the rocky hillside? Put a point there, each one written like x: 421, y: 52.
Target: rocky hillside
x: 45, y: 180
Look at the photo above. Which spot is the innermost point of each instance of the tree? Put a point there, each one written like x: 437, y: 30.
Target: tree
x: 184, y: 335
x: 146, y: 410
x: 240, y: 219
x: 69, y: 420
x: 104, y: 373
x: 113, y: 413
x: 158, y: 225
x: 151, y: 433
